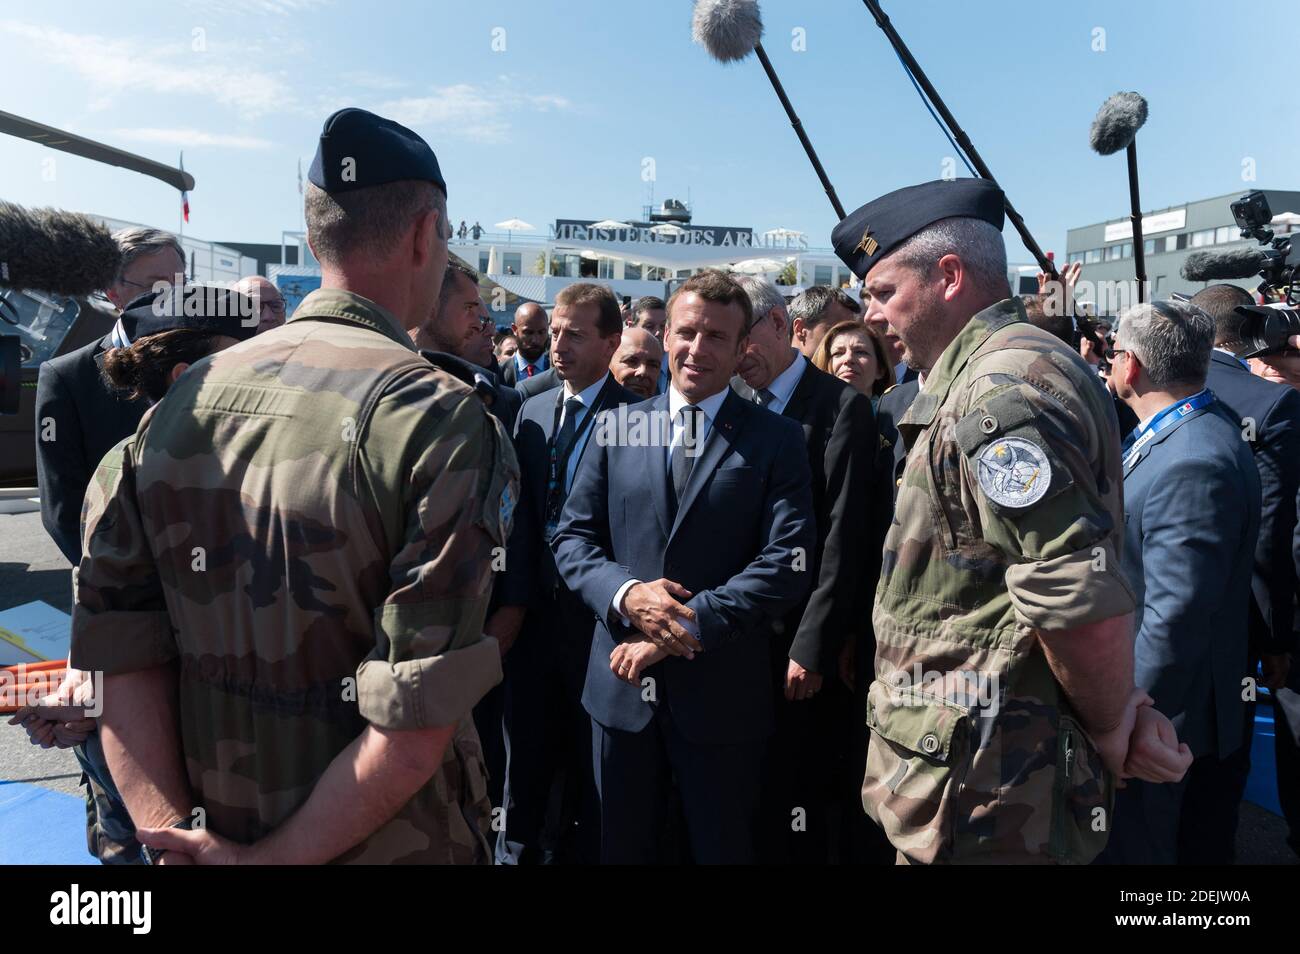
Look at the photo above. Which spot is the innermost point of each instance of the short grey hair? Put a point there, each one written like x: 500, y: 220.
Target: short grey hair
x: 1172, y: 339
x: 140, y: 240
x: 812, y: 304
x: 763, y: 295
x: 977, y: 243
x: 368, y: 222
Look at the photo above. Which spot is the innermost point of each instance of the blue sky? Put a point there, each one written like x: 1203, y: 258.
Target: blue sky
x: 560, y: 121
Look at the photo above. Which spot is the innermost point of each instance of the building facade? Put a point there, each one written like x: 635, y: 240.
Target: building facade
x: 1169, y: 236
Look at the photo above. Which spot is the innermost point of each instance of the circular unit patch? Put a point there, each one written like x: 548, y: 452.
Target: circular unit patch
x: 1014, y: 472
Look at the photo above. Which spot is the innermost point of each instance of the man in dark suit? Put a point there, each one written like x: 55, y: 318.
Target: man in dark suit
x: 813, y: 714
x: 531, y: 359
x: 1268, y: 416
x: 1192, y: 516
x: 893, y: 405
x: 538, y: 383
x: 548, y: 735
x: 686, y: 534
x: 78, y: 417
x: 456, y: 327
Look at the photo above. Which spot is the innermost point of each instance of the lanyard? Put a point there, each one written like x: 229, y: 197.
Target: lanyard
x: 559, y: 467
x: 1166, y: 419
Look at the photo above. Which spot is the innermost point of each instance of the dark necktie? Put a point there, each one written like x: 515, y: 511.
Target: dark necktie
x: 572, y: 407
x: 561, y: 446
x: 684, y: 454
x: 764, y: 397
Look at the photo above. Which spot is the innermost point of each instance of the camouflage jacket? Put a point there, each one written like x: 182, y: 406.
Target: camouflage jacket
x: 305, y: 525
x: 1008, y: 521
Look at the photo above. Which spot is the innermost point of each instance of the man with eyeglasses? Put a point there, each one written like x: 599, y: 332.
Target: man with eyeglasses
x: 78, y: 416
x: 1191, y: 523
x: 270, y: 303
x: 456, y: 327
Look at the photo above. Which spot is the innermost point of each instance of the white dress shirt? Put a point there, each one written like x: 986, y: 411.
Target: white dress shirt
x: 782, y: 388
x: 588, y: 398
x: 710, y: 407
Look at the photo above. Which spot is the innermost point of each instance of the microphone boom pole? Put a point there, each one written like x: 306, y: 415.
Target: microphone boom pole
x: 963, y: 141
x: 798, y: 129
x: 1135, y: 216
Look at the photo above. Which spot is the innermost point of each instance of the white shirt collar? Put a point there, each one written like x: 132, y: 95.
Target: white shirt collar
x: 522, y: 363
x: 588, y: 395
x: 710, y: 405
x: 782, y: 387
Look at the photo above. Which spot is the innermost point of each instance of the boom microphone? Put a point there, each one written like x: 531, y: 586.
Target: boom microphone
x: 1115, y: 127
x: 1117, y: 122
x: 730, y: 30
x: 1223, y: 266
x: 64, y: 253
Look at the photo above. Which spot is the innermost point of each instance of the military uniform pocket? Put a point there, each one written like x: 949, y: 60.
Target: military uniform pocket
x: 1083, y: 798
x: 917, y: 757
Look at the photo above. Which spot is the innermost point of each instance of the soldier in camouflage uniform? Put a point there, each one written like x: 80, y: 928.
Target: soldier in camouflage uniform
x: 298, y: 543
x: 1003, y: 705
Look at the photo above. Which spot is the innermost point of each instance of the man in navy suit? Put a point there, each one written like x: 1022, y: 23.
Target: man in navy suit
x: 548, y: 735
x: 1191, y: 513
x: 687, y: 534
x: 1268, y: 419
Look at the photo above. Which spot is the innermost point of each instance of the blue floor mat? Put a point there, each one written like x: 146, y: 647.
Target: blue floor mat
x: 1261, y: 786
x: 41, y: 827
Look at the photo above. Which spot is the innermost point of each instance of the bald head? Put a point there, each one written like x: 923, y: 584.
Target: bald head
x: 267, y: 297
x: 530, y: 330
x: 636, y: 363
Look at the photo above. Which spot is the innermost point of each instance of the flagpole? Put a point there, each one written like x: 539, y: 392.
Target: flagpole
x: 181, y: 218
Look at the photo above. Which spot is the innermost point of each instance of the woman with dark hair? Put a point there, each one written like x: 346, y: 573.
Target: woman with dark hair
x: 168, y: 332
x: 853, y: 354
x: 150, y: 365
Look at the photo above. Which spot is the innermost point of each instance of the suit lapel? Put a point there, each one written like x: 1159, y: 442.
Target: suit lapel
x: 802, y: 395
x: 656, y: 463
x: 721, y: 435
x: 1132, y: 459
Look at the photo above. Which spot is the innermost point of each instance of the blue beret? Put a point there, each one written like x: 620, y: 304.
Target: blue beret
x: 359, y: 149
x: 866, y: 235
x: 211, y: 309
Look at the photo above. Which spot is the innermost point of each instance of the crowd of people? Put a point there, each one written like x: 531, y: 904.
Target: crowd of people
x: 925, y: 573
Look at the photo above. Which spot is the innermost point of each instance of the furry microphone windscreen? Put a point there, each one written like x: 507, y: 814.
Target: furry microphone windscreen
x: 64, y: 253
x: 1224, y: 265
x: 728, y: 29
x: 1117, y: 122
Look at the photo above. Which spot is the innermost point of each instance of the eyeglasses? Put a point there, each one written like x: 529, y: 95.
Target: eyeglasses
x: 1112, y: 353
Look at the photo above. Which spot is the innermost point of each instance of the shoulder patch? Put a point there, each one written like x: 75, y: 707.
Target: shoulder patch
x: 1014, y: 472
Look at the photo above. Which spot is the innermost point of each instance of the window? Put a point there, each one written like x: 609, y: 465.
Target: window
x: 632, y: 270
x: 1149, y: 247
x: 1160, y: 284
x: 1092, y: 256
x: 842, y: 276
x: 1202, y: 238
x: 1112, y: 253
x: 606, y: 269
x: 512, y: 263
x: 1174, y: 242
x: 1126, y: 250
x: 483, y: 262
x: 821, y: 274
x: 1224, y: 234
x: 1075, y: 257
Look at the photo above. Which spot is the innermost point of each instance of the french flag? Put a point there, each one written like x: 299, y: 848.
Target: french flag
x: 185, y: 196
